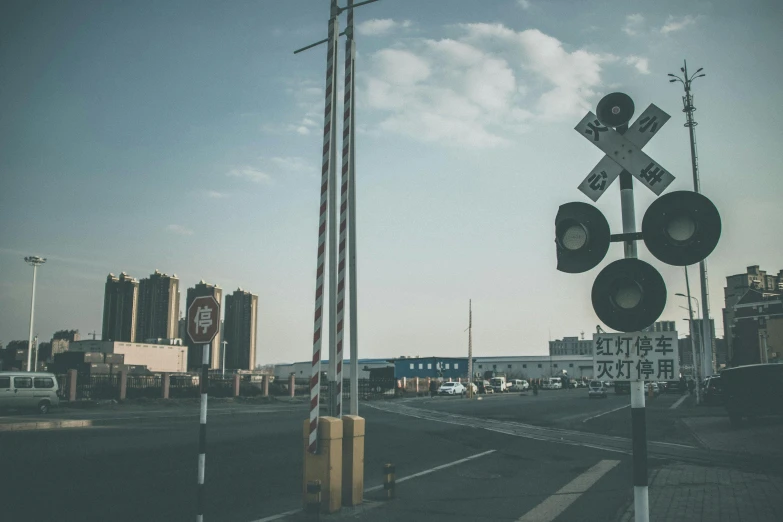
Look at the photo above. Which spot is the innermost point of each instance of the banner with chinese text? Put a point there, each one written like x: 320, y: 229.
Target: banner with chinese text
x: 648, y: 356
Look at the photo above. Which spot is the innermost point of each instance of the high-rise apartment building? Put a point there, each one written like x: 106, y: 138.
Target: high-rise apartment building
x: 571, y: 346
x: 195, y: 351
x: 736, y: 287
x: 241, y: 330
x: 62, y: 339
x: 662, y: 326
x: 157, y: 311
x: 120, y: 299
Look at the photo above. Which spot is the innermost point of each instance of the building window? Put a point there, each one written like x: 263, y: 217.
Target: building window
x: 539, y: 366
x: 429, y: 366
x: 524, y: 366
x: 494, y: 366
x: 555, y: 366
x: 411, y: 366
x: 509, y: 366
x: 456, y: 366
x: 421, y: 366
x: 447, y: 366
x: 571, y: 365
x: 481, y: 366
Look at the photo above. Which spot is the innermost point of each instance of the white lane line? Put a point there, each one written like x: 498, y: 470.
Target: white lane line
x: 553, y: 506
x: 679, y: 401
x: 604, y: 413
x: 432, y: 470
x: 403, y: 479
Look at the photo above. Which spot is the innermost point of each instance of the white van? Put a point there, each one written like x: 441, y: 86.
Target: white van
x: 552, y: 383
x: 28, y: 390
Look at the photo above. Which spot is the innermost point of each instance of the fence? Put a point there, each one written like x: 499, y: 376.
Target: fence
x: 98, y: 387
x: 144, y: 386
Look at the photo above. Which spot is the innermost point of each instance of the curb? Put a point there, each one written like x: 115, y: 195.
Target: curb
x: 46, y: 425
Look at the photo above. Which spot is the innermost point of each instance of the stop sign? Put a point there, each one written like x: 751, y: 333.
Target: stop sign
x: 203, y: 319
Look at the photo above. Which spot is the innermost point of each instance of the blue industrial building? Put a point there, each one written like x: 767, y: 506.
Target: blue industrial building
x: 436, y: 367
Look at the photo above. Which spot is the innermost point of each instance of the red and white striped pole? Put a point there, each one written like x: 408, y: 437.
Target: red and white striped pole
x: 327, y: 167
x: 341, y: 267
x: 352, y: 216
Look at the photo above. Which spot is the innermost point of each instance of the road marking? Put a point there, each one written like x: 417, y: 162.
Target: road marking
x: 432, y: 470
x: 679, y: 401
x: 403, y: 479
x: 554, y: 506
x: 48, y: 425
x: 604, y: 413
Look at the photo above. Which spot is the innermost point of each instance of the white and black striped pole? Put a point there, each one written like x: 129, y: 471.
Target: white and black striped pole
x: 202, y: 434
x: 638, y: 416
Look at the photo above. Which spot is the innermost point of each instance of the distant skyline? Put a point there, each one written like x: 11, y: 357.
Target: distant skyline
x: 184, y: 136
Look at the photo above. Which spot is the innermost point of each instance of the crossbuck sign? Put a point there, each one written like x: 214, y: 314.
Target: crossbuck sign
x: 644, y: 356
x: 624, y: 151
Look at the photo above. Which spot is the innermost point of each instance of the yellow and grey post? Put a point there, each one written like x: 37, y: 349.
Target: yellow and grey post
x: 202, y: 434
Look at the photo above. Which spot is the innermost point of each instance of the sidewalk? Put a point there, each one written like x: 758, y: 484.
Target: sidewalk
x: 688, y: 493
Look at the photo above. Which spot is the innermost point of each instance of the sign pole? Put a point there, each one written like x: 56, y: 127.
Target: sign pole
x: 638, y: 415
x: 202, y: 434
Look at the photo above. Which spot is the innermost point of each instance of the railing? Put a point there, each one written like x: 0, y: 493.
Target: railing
x: 144, y: 386
x: 98, y: 387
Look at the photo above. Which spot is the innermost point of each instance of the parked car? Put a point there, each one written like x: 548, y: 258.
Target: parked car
x: 621, y: 387
x: 752, y: 391
x: 28, y: 390
x: 451, y: 388
x: 473, y: 386
x: 498, y: 384
x: 713, y: 390
x: 553, y: 383
x: 483, y: 386
x: 674, y: 387
x: 518, y: 385
x: 596, y: 389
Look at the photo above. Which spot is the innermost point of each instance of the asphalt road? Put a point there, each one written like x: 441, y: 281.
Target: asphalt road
x: 141, y: 463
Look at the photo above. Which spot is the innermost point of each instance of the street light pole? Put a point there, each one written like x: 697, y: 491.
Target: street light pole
x: 688, y: 108
x: 35, y: 262
x: 223, y: 366
x: 692, y: 330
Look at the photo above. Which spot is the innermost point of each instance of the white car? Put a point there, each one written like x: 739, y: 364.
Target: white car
x: 518, y: 385
x: 596, y: 389
x: 452, y: 388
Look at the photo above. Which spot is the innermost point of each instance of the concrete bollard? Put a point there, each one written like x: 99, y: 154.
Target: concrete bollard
x: 165, y: 384
x: 265, y: 384
x: 292, y: 385
x: 353, y: 460
x: 327, y: 464
x: 72, y: 375
x: 123, y: 384
x: 236, y: 385
x: 417, y: 385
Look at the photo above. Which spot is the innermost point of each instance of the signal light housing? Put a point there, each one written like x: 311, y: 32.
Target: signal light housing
x: 681, y: 228
x: 629, y: 295
x: 615, y: 109
x: 582, y: 237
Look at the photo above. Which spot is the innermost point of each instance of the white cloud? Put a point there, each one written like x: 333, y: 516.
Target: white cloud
x: 641, y: 64
x: 634, y: 23
x: 214, y: 194
x: 466, y: 92
x: 179, y: 229
x: 672, y: 24
x: 381, y: 26
x: 293, y: 164
x: 524, y: 4
x: 251, y: 174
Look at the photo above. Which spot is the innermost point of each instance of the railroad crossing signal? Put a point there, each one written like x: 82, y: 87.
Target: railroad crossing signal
x: 680, y: 228
x: 203, y: 319
x: 624, y: 151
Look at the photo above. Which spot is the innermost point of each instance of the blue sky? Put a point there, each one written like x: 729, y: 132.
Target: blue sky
x: 185, y: 136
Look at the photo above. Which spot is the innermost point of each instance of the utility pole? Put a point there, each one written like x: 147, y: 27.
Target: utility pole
x: 35, y: 262
x: 693, y: 332
x: 328, y: 205
x: 35, y: 345
x: 707, y: 361
x: 470, y: 348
